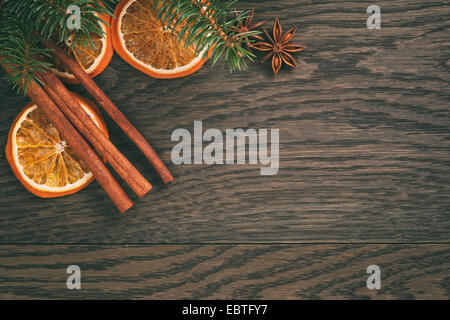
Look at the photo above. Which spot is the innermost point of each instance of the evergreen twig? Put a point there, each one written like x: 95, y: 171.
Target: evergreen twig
x: 210, y: 26
x: 19, y: 49
x: 23, y: 23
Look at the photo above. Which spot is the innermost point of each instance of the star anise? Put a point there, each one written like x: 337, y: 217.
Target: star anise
x: 279, y: 47
x: 246, y: 26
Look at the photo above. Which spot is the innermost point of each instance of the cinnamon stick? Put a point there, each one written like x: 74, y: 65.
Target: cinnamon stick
x: 112, y: 110
x: 83, y: 122
x: 80, y: 147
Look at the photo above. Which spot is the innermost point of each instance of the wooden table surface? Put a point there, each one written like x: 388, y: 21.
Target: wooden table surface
x: 364, y: 174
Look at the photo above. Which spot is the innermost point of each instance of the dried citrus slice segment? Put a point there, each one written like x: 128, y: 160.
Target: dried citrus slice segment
x: 41, y: 160
x: 92, y: 58
x: 150, y: 46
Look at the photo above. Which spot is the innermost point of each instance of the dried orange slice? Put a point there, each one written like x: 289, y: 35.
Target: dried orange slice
x: 93, y: 59
x: 148, y: 45
x: 41, y: 160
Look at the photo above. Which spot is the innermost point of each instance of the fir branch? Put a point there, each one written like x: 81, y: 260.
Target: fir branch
x: 23, y: 23
x: 210, y: 26
x: 20, y: 51
x: 49, y: 18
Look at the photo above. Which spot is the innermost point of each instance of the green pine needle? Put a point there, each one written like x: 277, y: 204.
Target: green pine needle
x: 23, y: 23
x: 211, y: 29
x: 19, y: 49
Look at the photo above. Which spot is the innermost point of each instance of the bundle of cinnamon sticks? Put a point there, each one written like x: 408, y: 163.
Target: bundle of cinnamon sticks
x: 80, y: 131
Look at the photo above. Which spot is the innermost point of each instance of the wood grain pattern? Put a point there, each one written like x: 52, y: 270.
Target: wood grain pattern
x: 364, y: 141
x: 226, y: 271
x: 364, y: 158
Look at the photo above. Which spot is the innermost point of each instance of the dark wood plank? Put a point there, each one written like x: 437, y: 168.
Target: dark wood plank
x: 364, y: 147
x: 226, y: 271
